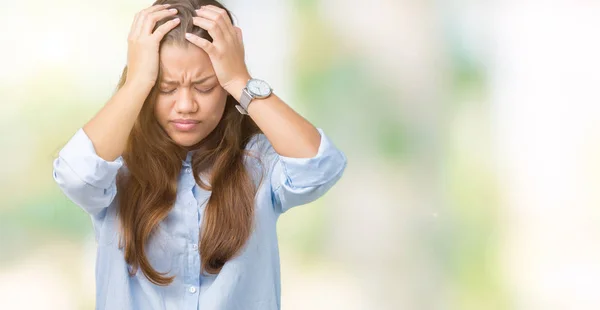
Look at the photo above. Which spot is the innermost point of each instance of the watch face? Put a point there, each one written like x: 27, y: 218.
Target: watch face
x: 259, y: 88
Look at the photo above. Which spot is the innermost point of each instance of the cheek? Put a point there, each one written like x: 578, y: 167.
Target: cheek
x: 161, y: 110
x: 216, y: 105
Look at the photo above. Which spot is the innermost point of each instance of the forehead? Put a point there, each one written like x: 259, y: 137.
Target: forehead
x: 185, y: 62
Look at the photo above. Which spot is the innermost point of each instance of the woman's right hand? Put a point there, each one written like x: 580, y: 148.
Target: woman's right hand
x: 143, y: 44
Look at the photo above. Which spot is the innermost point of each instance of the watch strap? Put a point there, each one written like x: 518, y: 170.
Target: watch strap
x: 244, y: 101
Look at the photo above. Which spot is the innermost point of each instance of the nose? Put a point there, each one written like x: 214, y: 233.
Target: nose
x: 185, y: 103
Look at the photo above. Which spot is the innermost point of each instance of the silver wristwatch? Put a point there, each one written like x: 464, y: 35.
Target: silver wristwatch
x: 255, y: 88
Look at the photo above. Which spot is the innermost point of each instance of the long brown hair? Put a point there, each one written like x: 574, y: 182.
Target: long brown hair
x: 148, y: 190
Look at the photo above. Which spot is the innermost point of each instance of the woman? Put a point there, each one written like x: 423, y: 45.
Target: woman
x: 187, y: 168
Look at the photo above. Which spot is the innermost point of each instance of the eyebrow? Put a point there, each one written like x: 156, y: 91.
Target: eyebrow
x: 200, y: 81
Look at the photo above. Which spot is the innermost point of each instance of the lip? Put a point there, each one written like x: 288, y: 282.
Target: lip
x: 185, y: 124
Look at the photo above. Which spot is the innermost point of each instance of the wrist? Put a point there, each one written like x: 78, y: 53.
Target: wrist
x: 235, y: 87
x: 136, y: 91
x: 139, y: 85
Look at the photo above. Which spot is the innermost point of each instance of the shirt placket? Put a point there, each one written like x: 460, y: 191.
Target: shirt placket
x: 192, y: 264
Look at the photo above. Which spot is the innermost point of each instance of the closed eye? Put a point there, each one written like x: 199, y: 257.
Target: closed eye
x: 167, y: 92
x: 205, y: 91
x: 200, y: 90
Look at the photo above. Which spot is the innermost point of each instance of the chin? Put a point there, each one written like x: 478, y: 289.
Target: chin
x: 186, y: 140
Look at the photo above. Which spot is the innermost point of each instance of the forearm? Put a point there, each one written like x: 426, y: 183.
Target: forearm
x: 290, y: 134
x: 111, y: 126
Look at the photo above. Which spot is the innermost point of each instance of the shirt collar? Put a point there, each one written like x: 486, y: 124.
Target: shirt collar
x: 188, y: 159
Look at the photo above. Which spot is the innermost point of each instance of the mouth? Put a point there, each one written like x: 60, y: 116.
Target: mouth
x: 185, y: 125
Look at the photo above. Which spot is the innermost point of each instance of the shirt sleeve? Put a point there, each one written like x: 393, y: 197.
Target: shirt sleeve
x: 84, y: 177
x: 298, y: 181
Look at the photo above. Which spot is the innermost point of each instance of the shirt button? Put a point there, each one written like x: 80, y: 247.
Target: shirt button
x: 195, y: 246
x: 188, y: 170
x: 192, y: 290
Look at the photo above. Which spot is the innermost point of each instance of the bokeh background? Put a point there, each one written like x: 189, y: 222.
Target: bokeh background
x: 472, y: 130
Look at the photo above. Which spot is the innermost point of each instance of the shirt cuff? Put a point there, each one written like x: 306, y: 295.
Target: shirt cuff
x: 315, y: 171
x: 80, y: 155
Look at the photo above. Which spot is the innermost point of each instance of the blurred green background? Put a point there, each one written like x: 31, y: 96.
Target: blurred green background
x: 471, y: 130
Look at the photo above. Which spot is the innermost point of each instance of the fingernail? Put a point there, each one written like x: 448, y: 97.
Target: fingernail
x: 188, y: 35
x: 173, y: 10
x: 176, y: 20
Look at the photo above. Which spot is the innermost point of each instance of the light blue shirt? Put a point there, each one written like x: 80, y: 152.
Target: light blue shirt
x: 249, y: 281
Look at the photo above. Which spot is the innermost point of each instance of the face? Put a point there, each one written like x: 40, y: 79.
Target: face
x: 190, y: 102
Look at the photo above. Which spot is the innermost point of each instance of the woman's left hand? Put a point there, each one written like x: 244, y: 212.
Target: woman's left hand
x: 226, y: 52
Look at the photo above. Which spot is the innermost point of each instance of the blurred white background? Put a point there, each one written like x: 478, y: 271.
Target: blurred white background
x: 472, y: 130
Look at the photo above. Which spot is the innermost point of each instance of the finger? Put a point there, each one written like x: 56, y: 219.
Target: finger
x: 227, y: 24
x: 154, y: 17
x: 155, y: 8
x: 216, y: 9
x: 217, y: 18
x: 219, y: 11
x: 202, y: 43
x: 238, y: 34
x: 213, y: 29
x: 143, y: 15
x: 163, y: 29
